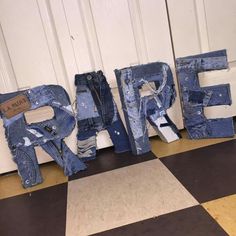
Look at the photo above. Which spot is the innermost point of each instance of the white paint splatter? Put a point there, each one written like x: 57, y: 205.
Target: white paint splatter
x: 45, y: 140
x: 56, y: 103
x: 35, y: 132
x: 27, y: 141
x: 68, y: 108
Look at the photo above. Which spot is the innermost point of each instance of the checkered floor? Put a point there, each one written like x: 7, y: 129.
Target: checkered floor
x: 184, y: 188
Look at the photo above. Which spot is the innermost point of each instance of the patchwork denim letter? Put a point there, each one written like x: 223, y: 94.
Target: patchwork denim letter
x: 195, y: 98
x: 48, y: 134
x: 153, y: 107
x: 96, y: 111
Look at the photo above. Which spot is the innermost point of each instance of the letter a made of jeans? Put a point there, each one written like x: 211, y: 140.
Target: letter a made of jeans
x: 96, y: 111
x: 153, y: 107
x: 48, y: 134
x: 195, y: 98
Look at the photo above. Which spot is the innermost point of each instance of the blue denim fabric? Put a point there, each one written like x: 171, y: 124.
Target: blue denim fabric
x: 96, y: 111
x: 195, y: 98
x: 153, y: 107
x: 48, y: 134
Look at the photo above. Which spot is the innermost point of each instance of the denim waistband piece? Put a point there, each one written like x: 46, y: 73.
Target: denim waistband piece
x: 153, y: 107
x: 195, y: 98
x: 48, y: 134
x: 89, y: 78
x: 96, y: 111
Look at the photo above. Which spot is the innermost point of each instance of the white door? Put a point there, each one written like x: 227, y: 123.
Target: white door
x: 27, y: 59
x: 49, y: 41
x: 200, y: 26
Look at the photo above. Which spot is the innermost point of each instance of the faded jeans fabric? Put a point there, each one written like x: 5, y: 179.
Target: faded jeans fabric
x: 96, y: 111
x: 153, y: 107
x: 195, y: 98
x: 48, y: 134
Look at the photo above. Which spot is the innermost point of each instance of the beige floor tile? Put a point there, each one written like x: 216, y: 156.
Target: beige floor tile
x: 10, y: 185
x: 123, y: 196
x: 162, y: 149
x: 223, y: 210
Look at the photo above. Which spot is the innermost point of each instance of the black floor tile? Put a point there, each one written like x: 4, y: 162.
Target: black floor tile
x: 108, y: 160
x: 194, y: 221
x: 39, y: 213
x: 208, y: 173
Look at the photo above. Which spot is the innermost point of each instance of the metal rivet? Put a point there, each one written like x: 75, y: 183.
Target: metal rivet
x: 27, y: 181
x: 89, y: 77
x: 127, y: 81
x: 220, y: 95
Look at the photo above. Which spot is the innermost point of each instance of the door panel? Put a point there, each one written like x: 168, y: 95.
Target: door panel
x: 26, y: 43
x: 221, y: 26
x: 202, y: 26
x: 184, y: 27
x: 115, y: 36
